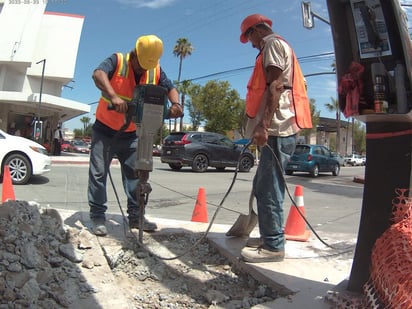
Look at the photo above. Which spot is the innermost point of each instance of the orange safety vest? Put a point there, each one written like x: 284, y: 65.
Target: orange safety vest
x: 255, y: 88
x: 123, y: 83
x: 300, y: 102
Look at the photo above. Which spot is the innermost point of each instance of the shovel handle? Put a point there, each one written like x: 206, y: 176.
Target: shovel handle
x: 251, y: 199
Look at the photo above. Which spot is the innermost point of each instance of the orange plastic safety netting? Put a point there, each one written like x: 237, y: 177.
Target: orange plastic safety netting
x: 390, y: 283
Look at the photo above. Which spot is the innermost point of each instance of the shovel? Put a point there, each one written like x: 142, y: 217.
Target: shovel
x: 245, y: 223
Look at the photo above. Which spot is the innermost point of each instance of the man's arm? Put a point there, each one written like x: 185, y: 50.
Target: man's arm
x: 175, y: 110
x: 275, y: 89
x: 101, y: 80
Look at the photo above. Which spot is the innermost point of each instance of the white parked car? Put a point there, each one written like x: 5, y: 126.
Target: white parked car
x: 354, y: 160
x: 24, y: 157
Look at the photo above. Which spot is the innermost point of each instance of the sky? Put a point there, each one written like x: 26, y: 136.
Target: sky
x: 213, y: 29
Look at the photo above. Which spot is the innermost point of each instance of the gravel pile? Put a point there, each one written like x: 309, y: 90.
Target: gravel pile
x: 38, y: 264
x: 201, y: 278
x: 41, y: 263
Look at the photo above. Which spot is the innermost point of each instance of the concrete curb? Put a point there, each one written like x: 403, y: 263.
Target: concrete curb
x: 56, y: 160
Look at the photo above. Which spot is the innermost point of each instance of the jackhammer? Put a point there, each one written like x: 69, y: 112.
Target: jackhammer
x: 147, y: 109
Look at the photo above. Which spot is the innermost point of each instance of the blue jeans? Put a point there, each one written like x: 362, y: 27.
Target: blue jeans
x: 269, y: 189
x: 103, y: 149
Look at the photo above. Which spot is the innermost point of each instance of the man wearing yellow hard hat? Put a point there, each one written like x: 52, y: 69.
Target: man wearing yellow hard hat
x: 117, y: 77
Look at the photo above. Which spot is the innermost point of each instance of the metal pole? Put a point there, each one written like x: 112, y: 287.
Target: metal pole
x: 183, y: 108
x: 320, y: 18
x: 37, y: 124
x: 41, y: 87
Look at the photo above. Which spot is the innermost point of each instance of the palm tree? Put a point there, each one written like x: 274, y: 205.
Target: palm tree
x: 333, y: 106
x: 86, y: 121
x: 182, y: 49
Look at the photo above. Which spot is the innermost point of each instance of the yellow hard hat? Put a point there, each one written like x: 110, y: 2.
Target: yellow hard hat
x: 149, y: 49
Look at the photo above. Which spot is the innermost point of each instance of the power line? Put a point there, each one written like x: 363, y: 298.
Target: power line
x: 309, y: 58
x: 317, y: 55
x: 221, y: 73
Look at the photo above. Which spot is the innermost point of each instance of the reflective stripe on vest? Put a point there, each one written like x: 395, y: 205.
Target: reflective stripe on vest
x: 123, y: 83
x: 150, y: 77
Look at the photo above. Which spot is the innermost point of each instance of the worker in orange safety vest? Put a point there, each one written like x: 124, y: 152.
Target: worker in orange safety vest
x: 277, y: 108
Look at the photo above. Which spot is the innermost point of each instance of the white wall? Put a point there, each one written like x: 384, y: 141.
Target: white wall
x: 58, y: 41
x: 18, y: 39
x: 29, y: 35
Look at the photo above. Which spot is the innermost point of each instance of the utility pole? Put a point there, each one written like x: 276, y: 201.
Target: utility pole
x: 41, y: 87
x: 183, y: 108
x: 37, y: 132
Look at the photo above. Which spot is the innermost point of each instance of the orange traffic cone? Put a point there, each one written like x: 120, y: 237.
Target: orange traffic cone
x: 200, y: 210
x: 8, y: 192
x: 295, y: 228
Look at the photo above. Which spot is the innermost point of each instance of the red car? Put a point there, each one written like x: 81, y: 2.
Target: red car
x: 79, y: 146
x: 65, y: 146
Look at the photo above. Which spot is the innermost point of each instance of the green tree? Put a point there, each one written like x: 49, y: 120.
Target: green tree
x: 359, y: 137
x: 86, y: 122
x: 182, y: 88
x: 333, y: 106
x: 88, y: 131
x: 182, y: 49
x: 221, y: 106
x: 194, y: 106
x: 78, y: 133
x: 242, y: 119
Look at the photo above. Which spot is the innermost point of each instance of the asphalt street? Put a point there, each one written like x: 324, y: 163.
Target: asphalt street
x: 332, y: 204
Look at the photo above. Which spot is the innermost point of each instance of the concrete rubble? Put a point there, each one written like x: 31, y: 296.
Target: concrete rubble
x: 49, y: 259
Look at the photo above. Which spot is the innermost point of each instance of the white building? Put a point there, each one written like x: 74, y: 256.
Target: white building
x: 38, y: 52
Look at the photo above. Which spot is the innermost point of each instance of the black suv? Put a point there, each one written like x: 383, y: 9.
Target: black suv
x: 203, y: 149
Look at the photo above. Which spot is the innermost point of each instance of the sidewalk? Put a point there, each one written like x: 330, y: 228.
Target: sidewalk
x: 306, y: 276
x: 73, y: 158
x: 69, y: 158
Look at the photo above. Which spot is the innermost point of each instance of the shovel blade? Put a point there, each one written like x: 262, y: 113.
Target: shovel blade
x: 243, y: 225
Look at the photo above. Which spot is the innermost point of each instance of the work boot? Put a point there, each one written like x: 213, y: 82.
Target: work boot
x: 99, y: 227
x: 147, y: 225
x: 254, y: 242
x: 262, y: 255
